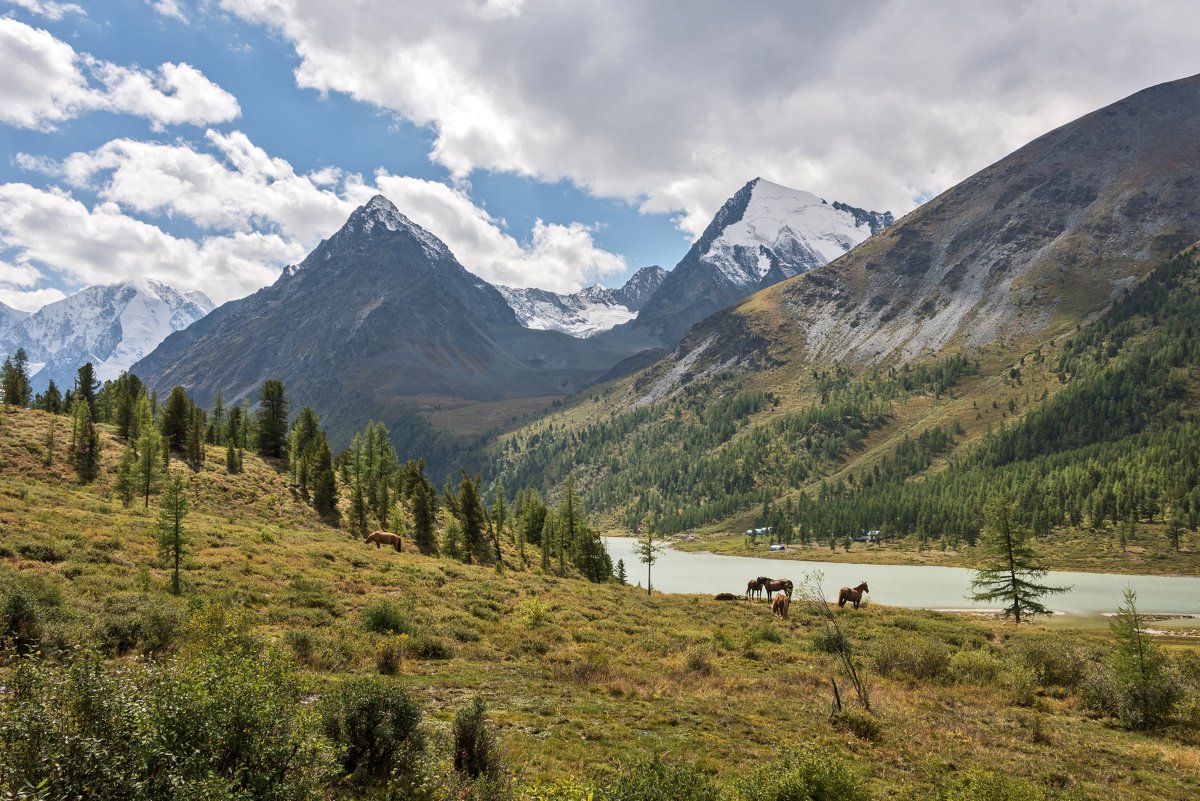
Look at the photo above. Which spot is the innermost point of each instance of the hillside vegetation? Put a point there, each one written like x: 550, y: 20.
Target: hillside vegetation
x: 283, y: 619
x: 1093, y: 434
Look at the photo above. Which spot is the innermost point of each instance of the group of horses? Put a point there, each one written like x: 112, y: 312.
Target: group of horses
x: 782, y: 588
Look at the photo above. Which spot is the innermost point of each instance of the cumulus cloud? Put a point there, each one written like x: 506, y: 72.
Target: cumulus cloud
x: 47, y: 82
x: 169, y: 8
x: 48, y: 8
x: 676, y: 104
x: 255, y: 213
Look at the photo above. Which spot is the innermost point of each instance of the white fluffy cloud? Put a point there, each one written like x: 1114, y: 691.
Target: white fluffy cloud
x: 676, y: 104
x: 48, y: 8
x: 47, y: 82
x: 256, y: 213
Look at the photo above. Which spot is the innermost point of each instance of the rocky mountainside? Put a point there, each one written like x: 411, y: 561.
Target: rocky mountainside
x: 377, y: 320
x: 764, y: 234
x: 110, y: 326
x: 587, y: 311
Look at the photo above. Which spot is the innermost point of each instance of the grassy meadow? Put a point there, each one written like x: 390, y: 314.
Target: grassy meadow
x: 582, y: 682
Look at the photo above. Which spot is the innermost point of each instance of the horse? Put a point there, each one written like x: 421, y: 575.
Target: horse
x: 725, y: 596
x: 780, y: 605
x: 852, y: 595
x: 773, y: 585
x: 381, y: 538
x: 753, y: 587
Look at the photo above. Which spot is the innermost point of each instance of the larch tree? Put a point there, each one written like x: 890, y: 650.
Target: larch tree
x: 171, y: 540
x: 272, y: 420
x: 1010, y: 572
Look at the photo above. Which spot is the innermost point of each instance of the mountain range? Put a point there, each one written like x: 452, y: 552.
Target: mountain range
x: 111, y: 326
x: 588, y: 311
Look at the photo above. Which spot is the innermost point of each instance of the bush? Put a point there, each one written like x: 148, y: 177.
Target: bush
x: 1136, y: 703
x: 654, y: 780
x: 911, y: 655
x: 225, y: 723
x: 804, y: 775
x: 475, y: 751
x: 384, y: 617
x: 376, y: 722
x: 134, y: 622
x: 533, y: 612
x: 424, y: 645
x: 389, y: 654
x: 699, y: 661
x: 40, y: 552
x: 1055, y: 661
x: 829, y: 640
x: 20, y: 620
x: 763, y: 633
x: 980, y: 785
x: 861, y: 723
x: 978, y: 666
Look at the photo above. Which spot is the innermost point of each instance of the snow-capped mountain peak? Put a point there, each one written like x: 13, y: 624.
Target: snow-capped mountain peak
x: 586, y: 312
x: 112, y: 326
x: 10, y: 317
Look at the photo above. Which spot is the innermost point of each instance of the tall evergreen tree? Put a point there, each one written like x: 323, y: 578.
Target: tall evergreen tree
x: 171, y: 540
x: 1010, y: 573
x: 14, y: 380
x: 1148, y: 694
x: 301, y: 449
x: 216, y: 419
x: 424, y: 517
x: 51, y: 400
x: 648, y: 549
x: 86, y: 386
x: 126, y: 484
x: 469, y: 510
x: 128, y: 389
x: 325, y: 496
x: 150, y: 450
x: 175, y: 418
x: 84, y: 453
x: 272, y: 420
x: 195, y: 440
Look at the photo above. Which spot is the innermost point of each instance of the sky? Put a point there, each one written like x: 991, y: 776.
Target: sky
x: 208, y: 143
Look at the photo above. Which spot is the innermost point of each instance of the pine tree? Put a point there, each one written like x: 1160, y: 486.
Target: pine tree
x: 1147, y: 692
x: 128, y: 389
x: 84, y: 453
x: 324, y: 481
x: 233, y: 457
x: 1011, y: 570
x: 216, y: 426
x: 175, y: 419
x: 547, y: 538
x: 14, y: 380
x: 85, y: 387
x: 195, y: 440
x: 150, y: 447
x: 233, y: 426
x: 272, y: 420
x: 51, y: 400
x: 171, y: 539
x: 51, y: 442
x: 126, y: 484
x: 424, y: 517
x: 469, y: 507
x: 301, y: 452
x: 648, y: 550
x: 622, y: 577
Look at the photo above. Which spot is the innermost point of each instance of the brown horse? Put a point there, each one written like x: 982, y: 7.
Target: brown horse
x: 753, y: 587
x: 780, y: 605
x: 381, y: 538
x: 775, y: 585
x: 725, y: 596
x: 853, y: 595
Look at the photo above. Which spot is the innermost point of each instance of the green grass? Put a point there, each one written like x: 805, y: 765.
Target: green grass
x: 578, y: 678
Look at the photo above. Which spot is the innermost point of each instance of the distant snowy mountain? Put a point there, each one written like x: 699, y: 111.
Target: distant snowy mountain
x: 10, y: 317
x: 586, y: 312
x: 764, y: 234
x: 110, y: 326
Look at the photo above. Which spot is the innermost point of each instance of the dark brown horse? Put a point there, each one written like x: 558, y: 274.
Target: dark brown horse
x: 853, y: 595
x: 725, y: 596
x: 780, y: 605
x: 776, y: 585
x: 381, y: 538
x: 754, y: 587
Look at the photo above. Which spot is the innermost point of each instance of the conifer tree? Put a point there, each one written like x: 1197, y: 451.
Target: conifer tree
x: 272, y: 420
x: 85, y: 387
x: 195, y: 440
x: 1147, y: 693
x: 1011, y: 571
x: 648, y: 549
x: 14, y: 380
x: 84, y: 453
x: 150, y: 448
x: 233, y: 457
x: 51, y: 400
x: 622, y: 577
x: 126, y: 484
x: 175, y: 419
x: 171, y: 539
x: 469, y: 510
x: 301, y: 449
x: 324, y: 481
x: 424, y: 517
x: 128, y: 389
x: 547, y: 538
x: 233, y: 426
x: 216, y: 425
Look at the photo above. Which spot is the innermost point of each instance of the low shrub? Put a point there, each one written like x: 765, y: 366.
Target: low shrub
x: 385, y: 617
x: 40, y: 552
x: 1055, y: 661
x: 803, y: 775
x: 978, y: 785
x: 533, y: 612
x: 475, y: 752
x: 829, y: 640
x: 377, y: 724
x: 699, y: 661
x: 389, y: 654
x: 1141, y: 703
x: 423, y: 645
x: 861, y: 723
x: 912, y: 656
x: 655, y: 780
x: 976, y: 666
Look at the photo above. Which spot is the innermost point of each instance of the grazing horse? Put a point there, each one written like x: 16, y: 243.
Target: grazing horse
x: 774, y: 585
x: 754, y: 587
x: 852, y: 595
x: 381, y: 538
x: 780, y: 605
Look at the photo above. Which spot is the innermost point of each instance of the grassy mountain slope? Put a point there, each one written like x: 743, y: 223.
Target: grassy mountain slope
x: 578, y: 677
